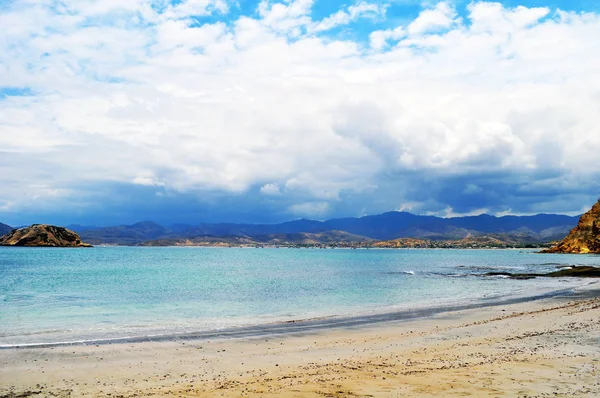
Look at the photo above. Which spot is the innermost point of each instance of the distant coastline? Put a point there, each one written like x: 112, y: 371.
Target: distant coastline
x: 387, y: 230
x: 380, y: 245
x: 400, y: 227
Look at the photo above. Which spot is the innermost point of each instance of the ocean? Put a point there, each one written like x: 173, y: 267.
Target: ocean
x: 110, y: 294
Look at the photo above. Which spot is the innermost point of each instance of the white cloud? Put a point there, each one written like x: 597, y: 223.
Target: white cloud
x: 449, y: 212
x: 198, y: 8
x: 150, y: 97
x: 379, y: 38
x: 285, y: 18
x: 353, y: 13
x: 147, y: 179
x: 442, y: 16
x: 408, y: 207
x: 493, y: 17
x: 270, y: 190
x: 523, y: 16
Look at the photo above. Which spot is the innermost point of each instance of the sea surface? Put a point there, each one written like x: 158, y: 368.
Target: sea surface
x: 50, y: 296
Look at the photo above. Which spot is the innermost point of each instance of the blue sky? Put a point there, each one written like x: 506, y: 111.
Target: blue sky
x: 211, y: 110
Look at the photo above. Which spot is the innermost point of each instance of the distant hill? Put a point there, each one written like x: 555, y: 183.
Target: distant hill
x: 39, y: 235
x: 4, y: 229
x: 124, y: 234
x: 387, y: 226
x: 293, y: 239
x: 406, y: 225
x: 469, y: 242
x: 585, y: 237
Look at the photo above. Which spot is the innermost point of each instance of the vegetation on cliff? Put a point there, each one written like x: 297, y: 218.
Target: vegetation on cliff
x: 42, y: 235
x: 585, y: 237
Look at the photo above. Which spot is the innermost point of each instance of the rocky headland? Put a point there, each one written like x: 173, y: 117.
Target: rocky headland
x: 42, y: 235
x: 585, y: 237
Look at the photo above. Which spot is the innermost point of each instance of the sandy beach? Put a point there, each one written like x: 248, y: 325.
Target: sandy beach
x: 549, y: 347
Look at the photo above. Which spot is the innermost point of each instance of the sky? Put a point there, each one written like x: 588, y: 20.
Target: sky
x: 191, y: 111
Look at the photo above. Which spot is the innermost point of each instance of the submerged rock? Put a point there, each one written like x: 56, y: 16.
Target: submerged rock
x: 583, y: 271
x: 42, y: 235
x: 585, y: 237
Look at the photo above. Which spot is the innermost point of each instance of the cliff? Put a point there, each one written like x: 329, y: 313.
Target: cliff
x: 585, y: 237
x: 42, y: 235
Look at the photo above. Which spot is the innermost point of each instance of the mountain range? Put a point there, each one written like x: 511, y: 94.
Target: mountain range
x: 386, y: 226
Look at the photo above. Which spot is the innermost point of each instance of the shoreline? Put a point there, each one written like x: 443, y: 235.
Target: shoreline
x: 534, y: 348
x: 299, y: 246
x: 316, y: 324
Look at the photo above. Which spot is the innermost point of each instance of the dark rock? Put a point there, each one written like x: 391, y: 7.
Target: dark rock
x: 581, y: 271
x: 513, y: 276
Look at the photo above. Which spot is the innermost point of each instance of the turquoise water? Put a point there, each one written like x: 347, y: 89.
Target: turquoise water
x: 65, y: 295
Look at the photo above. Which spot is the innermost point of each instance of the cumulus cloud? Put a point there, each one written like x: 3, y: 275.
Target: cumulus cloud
x: 270, y: 189
x: 285, y: 17
x: 442, y: 16
x: 379, y: 38
x: 493, y: 17
x: 142, y: 93
x: 353, y: 13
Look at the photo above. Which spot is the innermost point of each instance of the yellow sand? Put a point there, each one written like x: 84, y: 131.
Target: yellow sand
x: 545, y: 348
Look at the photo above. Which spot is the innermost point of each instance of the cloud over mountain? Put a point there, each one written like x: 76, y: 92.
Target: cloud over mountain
x: 213, y: 109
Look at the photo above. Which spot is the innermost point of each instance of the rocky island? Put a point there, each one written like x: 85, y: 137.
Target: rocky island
x: 42, y: 235
x: 585, y: 237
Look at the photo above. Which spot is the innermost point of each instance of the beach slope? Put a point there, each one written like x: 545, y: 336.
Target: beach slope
x: 544, y: 348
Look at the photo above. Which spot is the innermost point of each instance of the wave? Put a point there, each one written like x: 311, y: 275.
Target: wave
x: 490, y: 267
x: 400, y: 273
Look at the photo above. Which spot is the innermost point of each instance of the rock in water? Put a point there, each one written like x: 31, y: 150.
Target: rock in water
x: 40, y: 235
x: 585, y: 237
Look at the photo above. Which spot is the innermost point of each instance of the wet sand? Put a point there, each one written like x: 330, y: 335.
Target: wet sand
x: 548, y: 347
